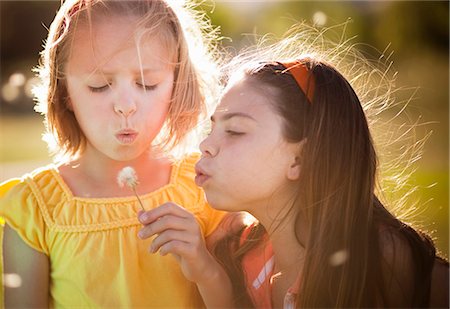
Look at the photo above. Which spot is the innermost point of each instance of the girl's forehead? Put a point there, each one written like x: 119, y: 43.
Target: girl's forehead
x: 103, y: 43
x: 243, y: 96
x: 101, y: 31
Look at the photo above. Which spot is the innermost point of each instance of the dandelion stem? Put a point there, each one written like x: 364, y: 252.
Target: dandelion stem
x: 137, y: 196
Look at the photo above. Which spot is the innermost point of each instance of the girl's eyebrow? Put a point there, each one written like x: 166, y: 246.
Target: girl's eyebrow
x: 228, y: 116
x: 150, y: 70
x: 136, y: 72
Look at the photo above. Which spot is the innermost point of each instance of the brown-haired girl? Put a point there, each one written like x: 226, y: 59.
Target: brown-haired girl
x: 290, y: 144
x: 123, y: 83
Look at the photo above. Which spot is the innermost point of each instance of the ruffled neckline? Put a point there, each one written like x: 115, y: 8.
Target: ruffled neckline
x: 65, y: 212
x: 53, y: 169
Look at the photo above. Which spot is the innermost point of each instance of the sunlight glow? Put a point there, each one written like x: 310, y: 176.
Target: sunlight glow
x: 17, y: 79
x: 10, y: 92
x: 29, y: 85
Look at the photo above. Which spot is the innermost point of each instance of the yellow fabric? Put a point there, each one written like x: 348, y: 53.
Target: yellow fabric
x: 97, y: 261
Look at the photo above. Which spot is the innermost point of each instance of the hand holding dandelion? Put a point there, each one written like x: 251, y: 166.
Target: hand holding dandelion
x: 127, y: 177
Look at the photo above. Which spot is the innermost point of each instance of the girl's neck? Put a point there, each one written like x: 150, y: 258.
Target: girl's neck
x: 289, y: 254
x: 287, y: 243
x: 287, y: 231
x: 96, y: 177
x: 285, y: 224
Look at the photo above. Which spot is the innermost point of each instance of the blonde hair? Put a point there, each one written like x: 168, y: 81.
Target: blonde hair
x: 185, y: 31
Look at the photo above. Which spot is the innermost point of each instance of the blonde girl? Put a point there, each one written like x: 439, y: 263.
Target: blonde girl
x: 290, y: 144
x: 123, y: 83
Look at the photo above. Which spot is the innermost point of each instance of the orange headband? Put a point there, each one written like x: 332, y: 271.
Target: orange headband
x: 302, y: 76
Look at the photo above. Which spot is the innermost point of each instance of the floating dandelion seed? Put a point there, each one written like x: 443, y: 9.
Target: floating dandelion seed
x: 338, y: 258
x: 12, y: 280
x: 128, y: 177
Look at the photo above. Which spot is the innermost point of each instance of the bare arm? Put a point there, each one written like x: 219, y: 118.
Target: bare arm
x: 177, y: 232
x: 33, y: 269
x: 215, y: 287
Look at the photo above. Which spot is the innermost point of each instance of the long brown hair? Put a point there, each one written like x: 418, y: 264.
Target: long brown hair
x: 336, y: 193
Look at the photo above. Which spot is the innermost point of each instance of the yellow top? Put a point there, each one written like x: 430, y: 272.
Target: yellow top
x: 96, y: 258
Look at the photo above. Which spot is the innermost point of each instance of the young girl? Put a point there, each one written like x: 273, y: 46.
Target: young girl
x: 123, y: 82
x: 290, y: 144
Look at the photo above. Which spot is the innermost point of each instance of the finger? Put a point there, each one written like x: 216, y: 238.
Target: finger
x: 140, y: 212
x: 188, y: 225
x: 172, y: 235
x: 165, y: 209
x: 176, y: 247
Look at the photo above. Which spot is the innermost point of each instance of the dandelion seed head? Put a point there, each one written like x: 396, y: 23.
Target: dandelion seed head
x: 127, y: 177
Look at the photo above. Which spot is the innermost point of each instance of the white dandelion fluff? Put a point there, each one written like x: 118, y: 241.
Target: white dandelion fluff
x: 128, y: 177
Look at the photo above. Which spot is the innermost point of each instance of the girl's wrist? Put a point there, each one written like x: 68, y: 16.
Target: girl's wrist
x: 215, y: 286
x: 210, y: 272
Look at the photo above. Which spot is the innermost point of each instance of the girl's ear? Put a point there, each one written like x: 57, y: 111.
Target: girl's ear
x: 69, y: 105
x: 294, y: 169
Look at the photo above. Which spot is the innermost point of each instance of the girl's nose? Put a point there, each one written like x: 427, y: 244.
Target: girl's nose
x: 125, y: 109
x: 124, y: 105
x: 207, y: 147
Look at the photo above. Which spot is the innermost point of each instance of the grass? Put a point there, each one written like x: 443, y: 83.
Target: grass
x: 20, y: 139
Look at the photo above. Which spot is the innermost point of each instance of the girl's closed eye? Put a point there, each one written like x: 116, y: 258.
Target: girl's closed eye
x: 147, y: 87
x: 234, y: 132
x: 100, y: 88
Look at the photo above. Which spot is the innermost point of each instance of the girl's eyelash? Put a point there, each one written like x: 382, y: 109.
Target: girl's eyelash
x: 105, y: 87
x: 98, y: 89
x: 147, y: 87
x: 234, y: 133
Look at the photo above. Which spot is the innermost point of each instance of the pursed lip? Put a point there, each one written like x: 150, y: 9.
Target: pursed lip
x: 201, y: 176
x: 126, y: 136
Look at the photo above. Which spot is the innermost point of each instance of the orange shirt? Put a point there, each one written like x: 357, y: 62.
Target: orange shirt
x: 258, y: 265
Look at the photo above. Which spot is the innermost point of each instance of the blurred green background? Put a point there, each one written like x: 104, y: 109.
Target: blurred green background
x: 417, y: 32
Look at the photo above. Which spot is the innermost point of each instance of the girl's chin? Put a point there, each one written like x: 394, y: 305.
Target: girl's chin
x: 220, y: 204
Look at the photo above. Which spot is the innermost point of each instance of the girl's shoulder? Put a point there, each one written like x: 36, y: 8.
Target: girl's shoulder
x: 411, y: 268
x: 439, y: 291
x: 41, y: 202
x: 23, y: 204
x: 39, y: 182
